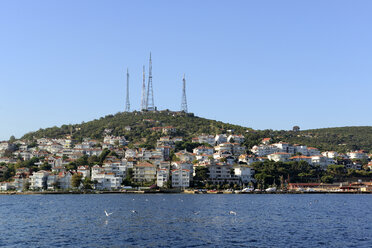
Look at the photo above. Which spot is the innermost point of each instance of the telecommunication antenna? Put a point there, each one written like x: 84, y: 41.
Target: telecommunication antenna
x: 143, y: 97
x: 150, y: 92
x: 184, y: 100
x: 127, y: 104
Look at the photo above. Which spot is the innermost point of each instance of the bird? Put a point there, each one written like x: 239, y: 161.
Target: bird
x: 107, y: 214
x: 196, y: 212
x: 134, y: 211
x: 232, y: 213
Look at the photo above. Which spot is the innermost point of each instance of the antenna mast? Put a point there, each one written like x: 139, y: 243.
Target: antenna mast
x: 184, y: 101
x: 143, y: 97
x: 150, y: 93
x: 127, y: 104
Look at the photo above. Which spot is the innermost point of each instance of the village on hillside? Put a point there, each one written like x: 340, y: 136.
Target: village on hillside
x: 217, y: 162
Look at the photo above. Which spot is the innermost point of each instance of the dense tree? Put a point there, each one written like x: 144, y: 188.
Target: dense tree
x: 76, y: 180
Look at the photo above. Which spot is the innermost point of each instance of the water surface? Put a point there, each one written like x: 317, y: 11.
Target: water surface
x: 178, y: 220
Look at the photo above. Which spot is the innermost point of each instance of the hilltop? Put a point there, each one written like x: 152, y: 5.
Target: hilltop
x: 141, y: 127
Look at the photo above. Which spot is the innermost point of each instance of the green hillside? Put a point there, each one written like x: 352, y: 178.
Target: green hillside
x: 339, y: 139
x: 141, y: 124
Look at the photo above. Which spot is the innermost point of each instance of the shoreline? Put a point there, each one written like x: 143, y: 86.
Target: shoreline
x: 176, y: 192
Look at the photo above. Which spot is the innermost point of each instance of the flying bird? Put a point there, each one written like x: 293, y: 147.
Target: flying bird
x: 107, y: 214
x: 232, y: 213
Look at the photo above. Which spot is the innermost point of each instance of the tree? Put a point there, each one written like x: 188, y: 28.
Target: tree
x: 296, y: 129
x: 45, y: 166
x: 327, y: 179
x: 12, y: 139
x: 26, y: 186
x: 128, y: 177
x: 87, y: 183
x: 201, y: 174
x: 76, y: 180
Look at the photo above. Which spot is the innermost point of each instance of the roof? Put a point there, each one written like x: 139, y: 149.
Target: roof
x: 144, y: 164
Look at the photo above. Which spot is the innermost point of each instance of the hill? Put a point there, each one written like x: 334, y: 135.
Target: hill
x: 142, y: 126
x: 143, y: 130
x: 339, y: 139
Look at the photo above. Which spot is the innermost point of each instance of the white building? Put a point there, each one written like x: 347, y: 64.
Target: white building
x: 357, y: 155
x: 279, y: 156
x: 162, y: 177
x: 236, y: 138
x: 180, y: 178
x: 245, y: 173
x: 38, y: 180
x: 203, y: 150
x: 84, y: 171
x: 220, y: 138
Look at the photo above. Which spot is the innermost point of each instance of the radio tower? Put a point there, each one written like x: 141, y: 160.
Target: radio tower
x: 127, y: 104
x: 184, y: 101
x: 150, y: 93
x: 143, y: 97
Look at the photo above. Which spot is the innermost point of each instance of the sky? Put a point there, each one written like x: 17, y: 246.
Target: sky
x: 261, y: 64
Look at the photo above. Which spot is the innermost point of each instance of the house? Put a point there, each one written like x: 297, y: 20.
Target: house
x: 203, y: 150
x: 301, y: 158
x: 144, y: 172
x: 266, y: 141
x: 115, y: 141
x: 180, y: 178
x: 6, y: 186
x: 224, y: 147
x: 245, y: 158
x: 107, y: 181
x: 279, y: 156
x: 220, y: 138
x: 6, y: 160
x: 165, y: 151
x: 184, y: 165
x: 84, y: 171
x: 233, y: 138
x: 244, y: 173
x: 20, y: 180
x: 185, y: 156
x: 321, y: 160
x: 162, y: 177
x: 38, y: 180
x: 221, y: 173
x: 357, y: 155
x: 204, y: 138
x: 330, y: 154
x: 64, y: 180
x: 312, y: 151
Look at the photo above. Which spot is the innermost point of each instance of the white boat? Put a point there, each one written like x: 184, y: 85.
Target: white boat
x: 247, y: 190
x: 273, y: 189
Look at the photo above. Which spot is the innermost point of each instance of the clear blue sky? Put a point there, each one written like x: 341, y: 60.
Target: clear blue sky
x: 261, y: 64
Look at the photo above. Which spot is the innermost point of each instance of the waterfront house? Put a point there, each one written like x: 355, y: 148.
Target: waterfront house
x: 144, y: 172
x: 180, y: 178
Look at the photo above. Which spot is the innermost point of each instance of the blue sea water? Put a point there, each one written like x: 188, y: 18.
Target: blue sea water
x: 178, y: 220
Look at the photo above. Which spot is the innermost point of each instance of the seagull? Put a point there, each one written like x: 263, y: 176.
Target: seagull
x: 232, y: 213
x: 134, y: 211
x: 197, y: 212
x: 108, y: 214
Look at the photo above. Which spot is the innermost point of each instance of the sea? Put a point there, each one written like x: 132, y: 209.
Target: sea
x: 182, y: 220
